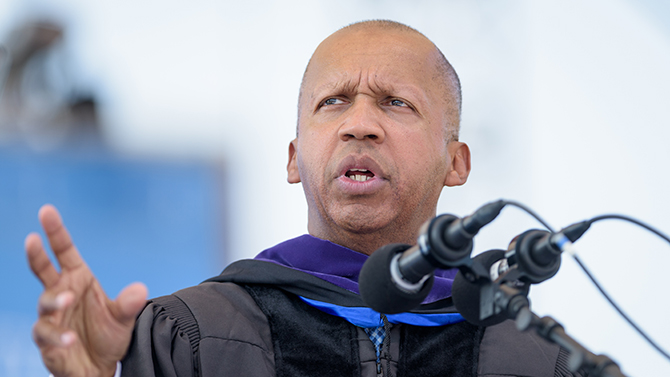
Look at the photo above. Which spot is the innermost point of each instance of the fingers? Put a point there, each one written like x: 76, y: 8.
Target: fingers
x: 59, y: 238
x: 47, y: 331
x: 50, y: 303
x: 39, y: 261
x: 129, y: 303
x: 48, y: 334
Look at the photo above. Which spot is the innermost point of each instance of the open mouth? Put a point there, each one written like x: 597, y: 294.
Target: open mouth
x: 359, y: 175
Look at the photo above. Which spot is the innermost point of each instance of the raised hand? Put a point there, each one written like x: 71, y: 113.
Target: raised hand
x: 80, y: 331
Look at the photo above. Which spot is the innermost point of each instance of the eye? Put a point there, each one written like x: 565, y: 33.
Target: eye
x: 332, y: 101
x: 397, y: 102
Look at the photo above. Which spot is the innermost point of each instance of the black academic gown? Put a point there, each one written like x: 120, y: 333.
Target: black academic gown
x: 249, y: 321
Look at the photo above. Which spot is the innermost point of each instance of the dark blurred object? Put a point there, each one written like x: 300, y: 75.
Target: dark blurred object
x: 4, y: 69
x: 40, y: 103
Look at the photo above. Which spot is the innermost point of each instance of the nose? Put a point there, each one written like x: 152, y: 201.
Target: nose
x: 363, y: 122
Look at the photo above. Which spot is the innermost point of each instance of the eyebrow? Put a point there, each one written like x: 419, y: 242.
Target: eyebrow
x: 348, y: 85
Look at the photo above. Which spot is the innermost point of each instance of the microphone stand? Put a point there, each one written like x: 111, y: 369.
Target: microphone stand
x: 506, y: 296
x: 517, y: 306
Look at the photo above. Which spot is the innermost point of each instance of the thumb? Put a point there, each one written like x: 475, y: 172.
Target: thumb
x: 130, y: 302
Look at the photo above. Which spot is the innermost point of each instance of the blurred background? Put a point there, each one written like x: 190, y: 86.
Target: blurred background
x: 160, y: 129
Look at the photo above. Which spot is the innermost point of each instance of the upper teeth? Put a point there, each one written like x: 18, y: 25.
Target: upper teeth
x: 359, y: 177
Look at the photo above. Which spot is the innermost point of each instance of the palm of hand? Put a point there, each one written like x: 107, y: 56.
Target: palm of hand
x: 80, y: 331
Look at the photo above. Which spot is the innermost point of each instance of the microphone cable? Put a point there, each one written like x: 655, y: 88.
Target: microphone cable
x: 531, y: 213
x: 573, y: 232
x: 580, y: 228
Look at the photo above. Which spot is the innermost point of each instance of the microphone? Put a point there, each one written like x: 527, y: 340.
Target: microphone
x: 379, y: 285
x: 532, y: 257
x: 397, y: 278
x: 534, y: 253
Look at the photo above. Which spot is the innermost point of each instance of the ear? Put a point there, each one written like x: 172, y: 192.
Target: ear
x: 460, y: 164
x: 292, y: 167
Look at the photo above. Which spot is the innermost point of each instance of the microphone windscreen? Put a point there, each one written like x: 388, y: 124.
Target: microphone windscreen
x: 377, y: 288
x: 466, y: 294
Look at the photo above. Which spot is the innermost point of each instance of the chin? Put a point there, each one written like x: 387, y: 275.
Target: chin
x: 361, y: 228
x: 369, y: 222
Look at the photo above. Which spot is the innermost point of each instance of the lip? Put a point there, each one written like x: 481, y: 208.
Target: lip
x: 352, y: 187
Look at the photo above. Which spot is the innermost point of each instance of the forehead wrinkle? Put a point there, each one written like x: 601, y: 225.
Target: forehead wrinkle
x: 375, y: 83
x: 378, y: 85
x: 341, y: 85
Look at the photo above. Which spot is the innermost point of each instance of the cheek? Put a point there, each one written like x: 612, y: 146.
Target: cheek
x: 311, y: 162
x: 424, y: 150
x: 425, y: 164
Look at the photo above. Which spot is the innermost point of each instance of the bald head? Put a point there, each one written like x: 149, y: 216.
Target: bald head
x: 443, y: 74
x: 378, y: 117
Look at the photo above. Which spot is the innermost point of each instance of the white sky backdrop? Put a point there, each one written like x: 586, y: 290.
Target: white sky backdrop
x: 565, y: 110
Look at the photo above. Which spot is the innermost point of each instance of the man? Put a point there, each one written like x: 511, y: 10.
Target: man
x: 377, y: 141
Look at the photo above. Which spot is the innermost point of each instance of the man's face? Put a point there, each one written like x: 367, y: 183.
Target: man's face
x: 371, y: 150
